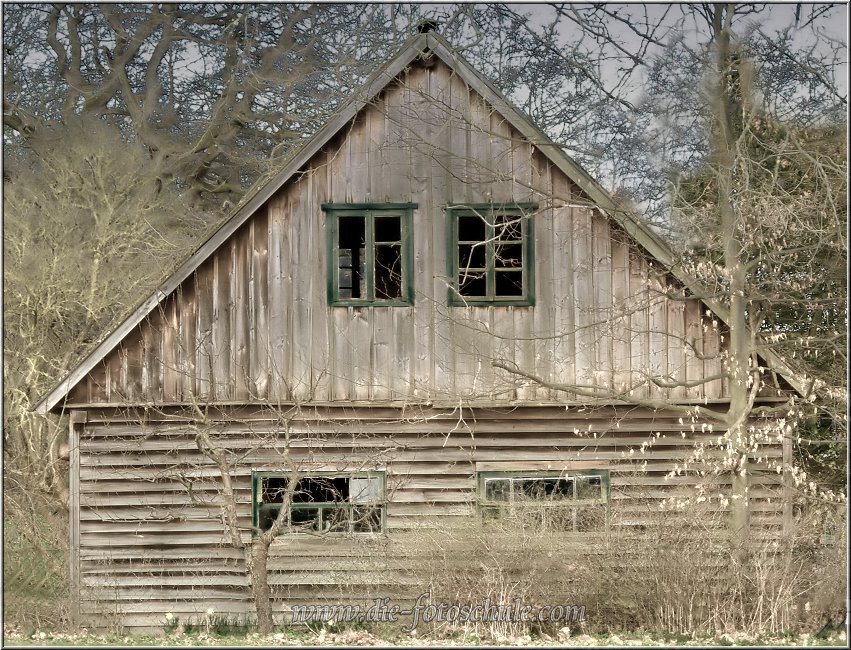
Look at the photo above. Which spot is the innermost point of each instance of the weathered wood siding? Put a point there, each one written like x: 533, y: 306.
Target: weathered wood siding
x: 151, y: 539
x: 253, y: 323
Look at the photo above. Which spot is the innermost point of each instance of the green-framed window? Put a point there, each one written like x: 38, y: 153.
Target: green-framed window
x: 490, y: 254
x: 370, y: 254
x: 566, y: 500
x: 336, y: 503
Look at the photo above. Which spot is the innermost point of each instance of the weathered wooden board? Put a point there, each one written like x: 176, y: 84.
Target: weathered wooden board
x: 149, y: 525
x: 253, y: 322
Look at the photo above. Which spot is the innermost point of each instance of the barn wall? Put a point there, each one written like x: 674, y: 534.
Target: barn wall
x: 253, y: 324
x: 150, y: 538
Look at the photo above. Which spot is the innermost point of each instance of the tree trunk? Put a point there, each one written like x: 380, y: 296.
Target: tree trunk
x: 738, y: 372
x: 258, y: 569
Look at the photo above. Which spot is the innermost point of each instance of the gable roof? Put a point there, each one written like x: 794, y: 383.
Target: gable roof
x: 423, y: 46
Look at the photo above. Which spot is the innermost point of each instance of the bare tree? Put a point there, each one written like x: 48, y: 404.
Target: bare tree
x: 215, y: 94
x: 87, y: 229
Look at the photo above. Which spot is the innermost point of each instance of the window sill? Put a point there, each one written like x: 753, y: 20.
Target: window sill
x: 455, y: 301
x: 372, y: 303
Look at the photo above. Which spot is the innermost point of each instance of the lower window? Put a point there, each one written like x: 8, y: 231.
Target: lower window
x: 321, y: 503
x: 570, y: 501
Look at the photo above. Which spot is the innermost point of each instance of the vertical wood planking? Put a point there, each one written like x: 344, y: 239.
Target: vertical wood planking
x: 676, y: 347
x: 320, y: 351
x: 524, y: 331
x: 240, y: 310
x: 465, y: 349
x: 502, y: 327
x: 460, y: 190
x: 254, y: 319
x: 360, y: 336
x: 357, y: 146
x: 187, y: 300
x: 426, y: 193
x: 222, y: 376
x: 298, y: 223
x: 602, y: 316
x: 342, y: 377
x: 396, y: 156
x: 620, y: 311
x: 376, y: 136
x: 280, y: 294
x: 401, y: 355
x: 171, y: 352
x: 658, y: 331
x: 536, y: 173
x: 95, y: 383
x: 639, y: 324
x: 133, y: 366
x: 560, y: 268
x: 501, y: 155
x: 584, y: 296
x: 693, y: 347
x: 712, y: 349
x: 523, y: 175
x: 382, y: 343
x: 260, y: 339
x: 438, y: 354
x: 204, y: 328
x: 480, y: 158
x: 115, y: 386
x: 378, y: 338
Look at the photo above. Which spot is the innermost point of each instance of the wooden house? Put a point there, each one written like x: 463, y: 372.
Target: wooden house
x: 431, y: 312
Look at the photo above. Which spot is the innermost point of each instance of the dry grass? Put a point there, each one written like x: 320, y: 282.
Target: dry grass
x: 35, y: 560
x: 680, y: 575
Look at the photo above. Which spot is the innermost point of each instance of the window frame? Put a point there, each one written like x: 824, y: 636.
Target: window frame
x: 380, y: 505
x: 484, y: 506
x: 333, y: 213
x: 491, y: 211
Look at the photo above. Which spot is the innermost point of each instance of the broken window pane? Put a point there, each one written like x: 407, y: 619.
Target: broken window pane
x: 497, y: 489
x: 324, y: 489
x: 305, y: 518
x: 589, y: 487
x: 324, y: 503
x: 366, y: 520
x: 273, y: 489
x: 267, y: 517
x: 351, y: 260
x: 365, y: 489
x: 546, y: 502
x: 388, y: 271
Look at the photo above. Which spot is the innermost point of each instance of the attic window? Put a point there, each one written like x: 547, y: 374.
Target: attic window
x: 570, y: 501
x: 321, y: 503
x: 369, y: 254
x: 491, y: 254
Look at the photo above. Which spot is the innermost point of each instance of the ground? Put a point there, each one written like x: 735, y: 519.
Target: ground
x: 328, y: 636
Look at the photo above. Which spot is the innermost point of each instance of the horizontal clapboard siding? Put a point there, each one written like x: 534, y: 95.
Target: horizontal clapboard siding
x: 151, y: 539
x: 252, y: 323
